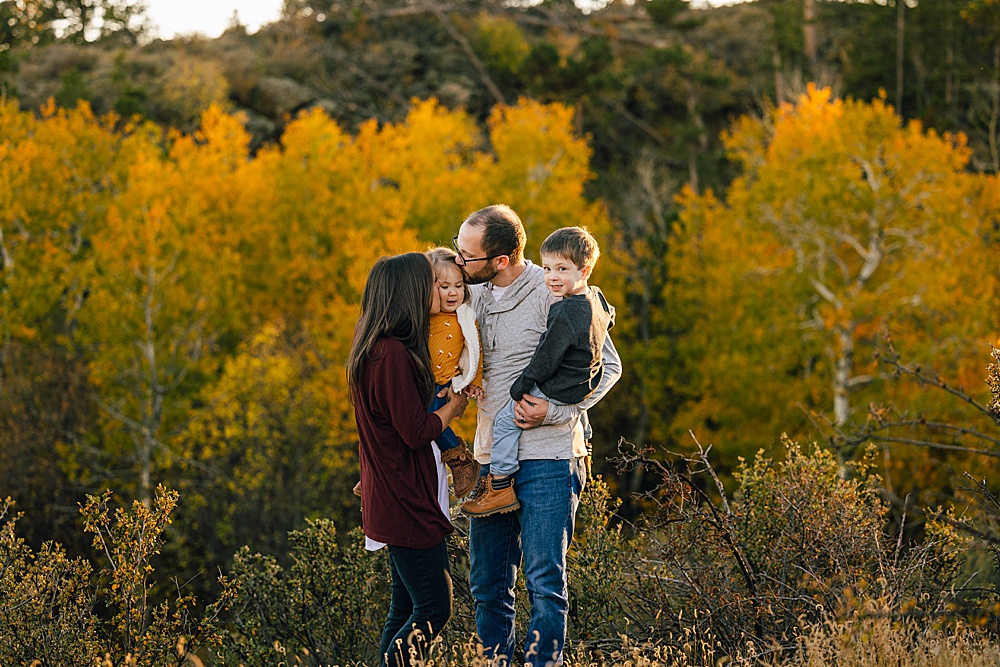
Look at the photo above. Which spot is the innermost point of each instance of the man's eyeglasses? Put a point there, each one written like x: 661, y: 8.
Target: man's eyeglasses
x: 466, y: 260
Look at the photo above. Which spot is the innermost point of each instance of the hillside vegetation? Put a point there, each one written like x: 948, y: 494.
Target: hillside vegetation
x: 800, y: 228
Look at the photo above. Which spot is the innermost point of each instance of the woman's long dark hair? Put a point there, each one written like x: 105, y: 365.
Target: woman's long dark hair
x: 396, y: 303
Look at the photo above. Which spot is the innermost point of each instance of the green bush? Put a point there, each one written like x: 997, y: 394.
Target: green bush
x: 57, y: 611
x: 602, y: 566
x: 46, y: 603
x: 326, y: 608
x: 783, y: 571
x: 796, y: 544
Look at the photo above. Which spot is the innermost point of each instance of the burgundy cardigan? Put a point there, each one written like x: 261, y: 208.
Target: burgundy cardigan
x: 399, y: 479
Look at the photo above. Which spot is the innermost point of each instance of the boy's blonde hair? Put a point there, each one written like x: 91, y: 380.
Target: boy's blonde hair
x: 441, y: 255
x: 573, y: 243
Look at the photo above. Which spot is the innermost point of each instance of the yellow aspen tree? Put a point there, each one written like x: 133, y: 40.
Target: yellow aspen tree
x: 265, y: 421
x: 438, y: 162
x: 325, y: 216
x: 541, y: 169
x: 324, y: 210
x: 58, y: 172
x: 162, y: 282
x: 843, y: 221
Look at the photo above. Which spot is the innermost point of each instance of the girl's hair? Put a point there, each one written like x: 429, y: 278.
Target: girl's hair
x: 396, y: 303
x: 446, y: 256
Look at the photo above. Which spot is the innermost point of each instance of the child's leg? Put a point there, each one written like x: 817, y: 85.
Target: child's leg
x: 455, y: 453
x: 495, y: 492
x: 447, y: 439
x: 506, y: 437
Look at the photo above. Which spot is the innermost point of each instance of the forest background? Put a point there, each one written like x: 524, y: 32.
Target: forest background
x: 797, y: 201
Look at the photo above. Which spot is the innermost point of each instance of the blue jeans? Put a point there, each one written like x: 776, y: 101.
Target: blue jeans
x: 447, y: 439
x: 421, y: 601
x: 539, y: 534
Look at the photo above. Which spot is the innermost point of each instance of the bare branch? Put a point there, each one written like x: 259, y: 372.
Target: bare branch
x: 469, y: 51
x: 934, y: 381
x: 934, y: 445
x: 825, y: 292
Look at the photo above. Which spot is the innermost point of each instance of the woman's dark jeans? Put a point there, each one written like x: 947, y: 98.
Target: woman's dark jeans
x: 421, y: 601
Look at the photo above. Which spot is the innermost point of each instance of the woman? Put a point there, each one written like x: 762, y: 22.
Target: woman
x: 391, y: 385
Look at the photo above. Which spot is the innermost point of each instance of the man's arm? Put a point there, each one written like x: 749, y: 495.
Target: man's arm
x: 538, y: 411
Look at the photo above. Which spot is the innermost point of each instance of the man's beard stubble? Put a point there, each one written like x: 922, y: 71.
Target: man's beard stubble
x: 486, y: 274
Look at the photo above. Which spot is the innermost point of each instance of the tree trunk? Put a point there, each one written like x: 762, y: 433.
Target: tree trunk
x: 153, y: 411
x: 900, y: 42
x: 809, y: 34
x: 779, y: 89
x: 642, y: 422
x: 843, y: 368
x: 145, y: 455
x: 949, y: 58
x: 995, y: 110
x: 702, y: 144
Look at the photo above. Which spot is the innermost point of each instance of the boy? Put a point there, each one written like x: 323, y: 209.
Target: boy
x: 566, y: 366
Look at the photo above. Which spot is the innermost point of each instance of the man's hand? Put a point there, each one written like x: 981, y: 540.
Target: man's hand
x: 530, y: 411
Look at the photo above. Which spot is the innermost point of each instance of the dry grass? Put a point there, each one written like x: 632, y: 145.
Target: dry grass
x: 876, y: 642
x: 888, y: 643
x: 873, y: 642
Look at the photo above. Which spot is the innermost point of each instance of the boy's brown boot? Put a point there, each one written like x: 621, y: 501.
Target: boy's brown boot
x: 487, y: 500
x: 464, y: 468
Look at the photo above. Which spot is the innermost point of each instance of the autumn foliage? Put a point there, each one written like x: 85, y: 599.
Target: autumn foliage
x: 844, y: 225
x: 177, y: 309
x: 205, y: 297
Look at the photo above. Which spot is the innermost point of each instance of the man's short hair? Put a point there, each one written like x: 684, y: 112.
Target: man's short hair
x: 503, y: 232
x: 573, y: 243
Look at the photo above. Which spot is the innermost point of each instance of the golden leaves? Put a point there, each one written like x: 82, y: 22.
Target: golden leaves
x: 843, y: 220
x: 156, y: 255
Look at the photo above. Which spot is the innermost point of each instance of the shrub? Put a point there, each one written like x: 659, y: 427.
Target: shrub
x: 601, y: 568
x: 53, y: 612
x: 297, y: 613
x: 73, y: 88
x: 188, y: 88
x: 326, y: 608
x: 797, y: 543
x: 46, y: 604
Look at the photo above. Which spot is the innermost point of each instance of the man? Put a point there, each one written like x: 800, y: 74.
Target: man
x: 511, y: 303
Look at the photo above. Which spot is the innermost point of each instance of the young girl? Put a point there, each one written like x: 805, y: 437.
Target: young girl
x: 456, y: 360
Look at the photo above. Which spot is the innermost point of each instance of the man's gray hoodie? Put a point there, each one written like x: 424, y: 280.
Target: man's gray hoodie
x: 509, y: 330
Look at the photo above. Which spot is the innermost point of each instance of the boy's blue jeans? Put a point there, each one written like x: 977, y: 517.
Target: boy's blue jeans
x: 447, y: 439
x: 539, y: 534
x: 507, y: 437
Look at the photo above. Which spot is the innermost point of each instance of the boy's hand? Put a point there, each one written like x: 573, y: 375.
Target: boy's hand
x: 530, y: 411
x: 472, y: 391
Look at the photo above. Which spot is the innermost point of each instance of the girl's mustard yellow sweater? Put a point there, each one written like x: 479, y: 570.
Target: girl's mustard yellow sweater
x: 446, y: 343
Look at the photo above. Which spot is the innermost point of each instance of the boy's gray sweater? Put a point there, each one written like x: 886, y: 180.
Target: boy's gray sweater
x: 509, y: 331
